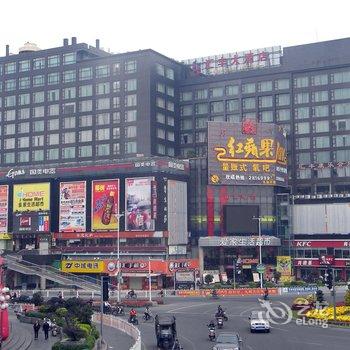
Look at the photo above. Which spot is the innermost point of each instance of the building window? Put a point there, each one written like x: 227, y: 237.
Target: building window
x: 116, y: 133
x: 39, y: 111
x: 201, y: 136
x: 10, y: 68
x: 103, y: 150
x: 283, y: 114
x: 160, y: 102
x: 201, y: 94
x: 169, y: 73
x: 282, y: 100
x: 303, y: 143
x: 102, y: 88
x: 24, y: 83
x: 186, y: 96
x: 341, y: 140
x: 69, y: 76
x: 102, y: 119
x: 130, y: 131
x: 302, y: 113
x: 301, y: 82
x: 303, y: 158
x: 85, y: 106
x: 161, y: 133
x: 160, y: 69
x: 38, y: 155
x: 103, y: 134
x: 38, y: 80
x: 10, y: 115
x: 52, y: 154
x: 103, y: 103
x: 68, y: 152
x: 53, y: 95
x: 102, y: 71
x: 53, y: 61
x: 304, y: 174
x: 232, y: 90
x: 322, y: 157
x: 53, y: 139
x: 266, y: 116
x: 248, y: 103
x: 201, y: 123
x: 85, y: 73
x: 39, y: 63
x: 186, y: 124
x: 9, y: 158
x: 53, y: 110
x: 131, y: 116
x: 170, y: 106
x: 116, y: 68
x: 23, y: 157
x: 217, y: 107
x: 320, y: 111
x: 265, y: 86
x: 69, y: 123
x: 302, y: 97
x: 53, y: 124
x: 53, y: 78
x: 302, y: 128
x: 130, y: 67
x: 10, y: 101
x: 85, y: 120
x: 185, y: 111
x: 85, y: 91
x: 281, y: 84
x: 38, y: 140
x: 23, y: 142
x: 321, y: 126
x: 131, y: 85
x: 23, y: 128
x: 342, y: 155
x: 160, y: 149
x: 170, y: 136
x: 9, y: 143
x: 10, y: 85
x: 116, y: 148
x: 320, y: 79
x: 68, y: 137
x: 85, y: 151
x: 38, y: 97
x: 116, y: 86
x: 68, y: 93
x: 340, y: 77
x: 217, y: 92
x: 69, y: 58
x: 342, y: 125
x: 39, y: 126
x: 130, y: 147
x: 131, y: 101
x: 341, y: 109
x: 170, y: 91
x: 85, y: 136
x: 320, y: 96
x: 171, y: 121
x: 248, y: 88
x: 160, y: 117
x: 265, y: 101
x: 340, y: 94
x: 24, y: 99
x: 321, y: 142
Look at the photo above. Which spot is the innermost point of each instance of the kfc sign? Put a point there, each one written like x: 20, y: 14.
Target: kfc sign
x: 303, y: 244
x: 334, y: 243
x: 326, y: 260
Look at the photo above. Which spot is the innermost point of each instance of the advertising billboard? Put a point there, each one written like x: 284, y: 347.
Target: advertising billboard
x: 247, y: 153
x: 82, y: 266
x: 4, y: 206
x: 31, y: 208
x: 284, y: 267
x: 238, y: 219
x: 72, y: 206
x: 138, y: 204
x: 105, y: 205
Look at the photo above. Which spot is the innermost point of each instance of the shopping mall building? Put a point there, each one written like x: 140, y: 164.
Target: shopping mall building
x: 96, y: 146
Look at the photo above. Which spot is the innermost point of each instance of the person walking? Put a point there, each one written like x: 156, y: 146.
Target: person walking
x: 36, y: 327
x: 46, y: 328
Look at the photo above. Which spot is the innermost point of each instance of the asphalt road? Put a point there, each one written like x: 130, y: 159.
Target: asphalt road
x: 192, y: 316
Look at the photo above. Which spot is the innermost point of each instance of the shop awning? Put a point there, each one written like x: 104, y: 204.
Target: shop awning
x: 139, y: 274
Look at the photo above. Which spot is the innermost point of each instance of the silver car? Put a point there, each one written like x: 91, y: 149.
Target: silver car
x: 228, y: 341
x: 258, y: 322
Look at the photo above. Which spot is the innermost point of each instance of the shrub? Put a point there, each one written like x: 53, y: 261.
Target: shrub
x: 61, y: 312
x: 347, y: 298
x: 94, y: 332
x: 86, y: 328
x: 80, y: 309
x: 73, y: 332
x: 208, y: 279
x: 35, y: 314
x: 54, y: 303
x: 37, y: 299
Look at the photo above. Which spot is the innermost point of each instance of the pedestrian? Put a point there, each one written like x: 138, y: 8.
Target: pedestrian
x: 46, y: 328
x: 36, y: 327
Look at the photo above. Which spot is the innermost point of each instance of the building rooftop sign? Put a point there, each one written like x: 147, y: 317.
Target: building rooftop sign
x: 236, y: 61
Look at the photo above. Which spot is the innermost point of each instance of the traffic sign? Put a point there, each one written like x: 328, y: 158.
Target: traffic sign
x: 260, y: 268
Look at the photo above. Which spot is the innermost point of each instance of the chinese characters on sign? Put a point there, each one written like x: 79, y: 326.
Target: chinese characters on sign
x: 4, y: 193
x: 249, y: 241
x: 318, y: 166
x: 238, y: 157
x: 231, y: 62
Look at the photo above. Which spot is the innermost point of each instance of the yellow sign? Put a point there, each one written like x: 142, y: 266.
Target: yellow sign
x: 284, y: 265
x: 82, y: 266
x: 5, y: 236
x: 31, y: 197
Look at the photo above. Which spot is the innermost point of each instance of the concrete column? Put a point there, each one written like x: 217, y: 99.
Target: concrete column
x: 42, y: 283
x: 201, y: 261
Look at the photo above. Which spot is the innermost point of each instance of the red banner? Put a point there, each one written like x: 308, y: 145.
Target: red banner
x: 226, y: 292
x: 316, y: 263
x: 334, y: 243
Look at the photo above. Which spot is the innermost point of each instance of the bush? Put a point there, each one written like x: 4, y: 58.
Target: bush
x: 94, y: 332
x: 86, y: 328
x: 35, y: 314
x: 73, y: 332
x: 347, y: 298
x: 208, y: 279
x: 54, y: 303
x: 61, y: 312
x: 37, y: 299
x: 269, y: 285
x: 81, y: 345
x: 79, y: 309
x: 253, y: 284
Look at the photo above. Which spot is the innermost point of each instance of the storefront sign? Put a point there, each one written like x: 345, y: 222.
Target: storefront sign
x: 239, y: 241
x: 306, y: 289
x: 6, y: 236
x: 31, y: 208
x: 138, y: 204
x: 316, y: 263
x: 183, y: 264
x: 334, y: 243
x: 226, y: 292
x: 82, y: 266
x: 14, y: 173
x: 250, y: 153
x: 105, y: 205
x: 4, y: 206
x: 236, y: 61
x: 185, y: 276
x: 72, y: 206
x: 326, y: 260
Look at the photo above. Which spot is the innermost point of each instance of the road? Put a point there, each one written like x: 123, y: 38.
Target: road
x: 193, y: 314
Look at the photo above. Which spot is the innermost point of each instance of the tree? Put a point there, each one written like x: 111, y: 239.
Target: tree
x: 37, y: 299
x: 208, y: 279
x: 347, y: 298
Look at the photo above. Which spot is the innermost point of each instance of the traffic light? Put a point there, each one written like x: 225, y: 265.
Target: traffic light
x: 328, y: 279
x: 105, y: 292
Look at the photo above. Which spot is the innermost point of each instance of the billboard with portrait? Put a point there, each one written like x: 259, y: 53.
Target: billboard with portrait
x: 247, y: 153
x: 72, y: 216
x: 138, y: 204
x: 105, y: 205
x: 31, y: 208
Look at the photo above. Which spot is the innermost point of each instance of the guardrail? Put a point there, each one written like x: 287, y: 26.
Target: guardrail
x: 121, y: 325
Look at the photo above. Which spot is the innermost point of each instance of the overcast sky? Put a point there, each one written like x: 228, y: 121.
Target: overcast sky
x: 177, y: 28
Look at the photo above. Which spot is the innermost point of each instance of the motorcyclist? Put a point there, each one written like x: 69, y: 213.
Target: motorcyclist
x: 220, y: 311
x: 266, y: 293
x: 132, y: 315
x: 211, y: 324
x: 147, y: 313
x: 120, y: 309
x: 131, y: 293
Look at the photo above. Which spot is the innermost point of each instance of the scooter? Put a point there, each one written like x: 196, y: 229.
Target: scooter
x: 220, y: 322
x: 211, y: 334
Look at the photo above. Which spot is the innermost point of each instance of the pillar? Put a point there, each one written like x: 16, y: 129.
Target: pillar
x: 42, y: 283
x: 201, y: 261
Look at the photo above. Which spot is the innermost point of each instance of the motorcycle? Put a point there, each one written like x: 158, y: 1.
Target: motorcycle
x: 118, y: 311
x: 133, y: 320
x: 211, y: 334
x: 55, y: 330
x: 148, y: 318
x: 220, y: 322
x: 223, y: 315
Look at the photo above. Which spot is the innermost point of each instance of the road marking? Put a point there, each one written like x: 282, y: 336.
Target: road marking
x: 189, y: 341
x: 186, y: 307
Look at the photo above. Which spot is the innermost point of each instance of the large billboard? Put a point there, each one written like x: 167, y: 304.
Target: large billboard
x: 247, y: 153
x: 105, y: 205
x: 239, y: 219
x: 72, y: 206
x: 138, y: 204
x: 31, y: 208
x: 4, y: 205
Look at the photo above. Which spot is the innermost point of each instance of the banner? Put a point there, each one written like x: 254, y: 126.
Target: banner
x: 31, y: 197
x: 72, y: 207
x: 226, y: 292
x: 138, y: 204
x: 31, y: 208
x: 82, y: 266
x: 4, y: 206
x: 284, y: 265
x: 105, y: 205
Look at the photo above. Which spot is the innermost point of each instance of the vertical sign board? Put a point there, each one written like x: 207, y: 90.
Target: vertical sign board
x: 72, y: 206
x: 154, y: 200
x: 31, y: 208
x: 105, y: 205
x: 4, y: 206
x: 138, y: 204
x: 177, y: 212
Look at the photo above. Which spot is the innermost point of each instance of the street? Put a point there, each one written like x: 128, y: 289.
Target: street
x: 192, y: 316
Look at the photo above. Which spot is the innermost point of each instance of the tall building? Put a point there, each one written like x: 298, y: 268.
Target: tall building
x: 76, y: 113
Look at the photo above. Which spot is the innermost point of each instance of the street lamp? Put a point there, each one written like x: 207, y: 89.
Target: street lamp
x: 260, y: 246
x: 118, y: 216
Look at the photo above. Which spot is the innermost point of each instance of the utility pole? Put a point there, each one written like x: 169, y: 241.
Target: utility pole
x: 234, y: 273
x: 260, y: 252
x: 333, y: 293
x: 101, y: 311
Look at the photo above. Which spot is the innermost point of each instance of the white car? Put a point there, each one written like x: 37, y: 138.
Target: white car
x: 258, y: 323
